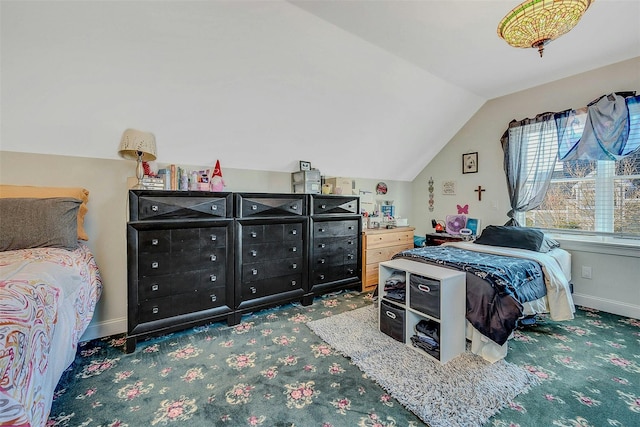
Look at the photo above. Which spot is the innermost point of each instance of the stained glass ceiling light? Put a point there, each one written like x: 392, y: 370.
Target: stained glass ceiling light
x: 534, y: 23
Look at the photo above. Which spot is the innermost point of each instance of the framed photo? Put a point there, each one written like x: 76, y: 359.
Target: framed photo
x: 470, y: 162
x: 449, y: 188
x: 305, y: 166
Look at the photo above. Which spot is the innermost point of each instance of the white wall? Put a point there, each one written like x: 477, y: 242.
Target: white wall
x: 259, y: 85
x: 614, y: 286
x: 106, y: 220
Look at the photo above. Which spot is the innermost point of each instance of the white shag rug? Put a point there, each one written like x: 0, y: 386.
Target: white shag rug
x: 466, y: 391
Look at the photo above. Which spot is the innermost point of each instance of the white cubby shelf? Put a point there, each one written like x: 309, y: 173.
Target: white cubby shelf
x: 439, y: 295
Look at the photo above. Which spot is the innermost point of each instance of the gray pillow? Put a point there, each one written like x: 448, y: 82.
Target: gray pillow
x: 512, y: 237
x: 38, y: 223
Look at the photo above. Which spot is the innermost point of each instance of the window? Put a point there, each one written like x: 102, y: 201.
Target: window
x: 601, y: 196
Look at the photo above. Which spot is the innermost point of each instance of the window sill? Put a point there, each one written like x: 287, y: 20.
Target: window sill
x: 598, y: 244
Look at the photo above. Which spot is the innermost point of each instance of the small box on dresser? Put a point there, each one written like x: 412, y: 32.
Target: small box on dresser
x: 440, y: 302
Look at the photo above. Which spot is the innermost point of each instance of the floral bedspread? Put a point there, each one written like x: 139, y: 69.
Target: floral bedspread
x: 47, y: 299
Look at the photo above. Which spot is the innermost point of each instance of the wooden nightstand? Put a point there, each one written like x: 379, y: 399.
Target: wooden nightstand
x: 436, y: 239
x: 380, y: 244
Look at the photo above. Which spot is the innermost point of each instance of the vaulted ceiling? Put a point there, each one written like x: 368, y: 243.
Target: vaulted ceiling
x: 370, y: 89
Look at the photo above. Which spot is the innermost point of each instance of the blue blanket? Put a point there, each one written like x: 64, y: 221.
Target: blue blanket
x: 496, y: 285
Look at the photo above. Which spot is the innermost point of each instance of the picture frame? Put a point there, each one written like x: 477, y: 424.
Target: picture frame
x: 305, y: 166
x: 470, y: 162
x: 449, y: 188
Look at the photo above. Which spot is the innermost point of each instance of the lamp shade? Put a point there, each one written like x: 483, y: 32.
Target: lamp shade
x: 135, y: 143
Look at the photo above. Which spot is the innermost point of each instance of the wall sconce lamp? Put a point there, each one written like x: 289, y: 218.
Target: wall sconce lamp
x: 139, y: 146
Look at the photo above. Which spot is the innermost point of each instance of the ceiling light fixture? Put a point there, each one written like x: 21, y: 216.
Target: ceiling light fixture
x: 534, y: 23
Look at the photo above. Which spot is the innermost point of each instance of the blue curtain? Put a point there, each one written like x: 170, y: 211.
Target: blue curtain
x: 602, y: 131
x: 528, y: 166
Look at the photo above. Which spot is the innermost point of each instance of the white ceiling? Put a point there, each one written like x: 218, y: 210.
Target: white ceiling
x: 457, y: 41
x: 365, y: 89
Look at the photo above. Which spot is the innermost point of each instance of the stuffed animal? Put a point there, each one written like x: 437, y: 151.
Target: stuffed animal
x: 216, y: 182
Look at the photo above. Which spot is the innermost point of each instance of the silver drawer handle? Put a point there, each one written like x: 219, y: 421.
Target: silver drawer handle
x: 350, y: 227
x: 154, y: 264
x: 350, y: 270
x: 294, y: 207
x: 350, y: 256
x: 155, y: 310
x: 253, y: 290
x: 154, y: 208
x: 214, y: 207
x: 294, y: 265
x: 350, y: 242
x: 254, y: 271
x: 213, y: 297
x: 323, y: 206
x: 254, y: 234
x: 214, y: 258
x: 390, y: 314
x: 293, y: 283
x: 321, y: 261
x: 254, y: 207
x: 294, y: 232
x: 321, y: 230
x: 424, y: 288
x: 321, y: 276
x: 254, y: 252
x: 321, y: 245
x: 154, y: 242
x: 155, y: 287
x: 294, y: 249
x: 214, y: 237
x: 213, y: 277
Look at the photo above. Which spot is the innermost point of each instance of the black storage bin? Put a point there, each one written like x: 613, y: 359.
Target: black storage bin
x: 424, y: 295
x: 392, y: 320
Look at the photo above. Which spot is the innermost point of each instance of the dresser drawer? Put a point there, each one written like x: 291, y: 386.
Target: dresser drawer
x: 271, y: 233
x: 322, y: 229
x: 271, y: 286
x: 324, y: 205
x: 389, y: 239
x: 269, y: 205
x: 265, y: 270
x: 177, y: 205
x: 258, y: 252
x: 203, y: 299
x: 154, y: 241
x: 384, y: 254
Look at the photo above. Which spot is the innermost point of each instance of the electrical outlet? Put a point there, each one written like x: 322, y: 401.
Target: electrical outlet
x: 586, y: 272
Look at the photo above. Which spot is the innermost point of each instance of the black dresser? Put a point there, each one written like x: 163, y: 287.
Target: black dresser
x: 271, y: 249
x: 180, y: 261
x: 336, y: 228
x: 197, y: 257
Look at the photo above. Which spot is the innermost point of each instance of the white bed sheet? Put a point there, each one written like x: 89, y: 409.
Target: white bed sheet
x: 556, y: 266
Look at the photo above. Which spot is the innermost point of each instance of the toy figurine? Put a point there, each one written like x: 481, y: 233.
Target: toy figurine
x: 216, y: 182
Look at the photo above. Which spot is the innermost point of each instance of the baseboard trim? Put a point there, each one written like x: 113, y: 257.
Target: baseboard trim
x: 610, y: 306
x: 105, y: 329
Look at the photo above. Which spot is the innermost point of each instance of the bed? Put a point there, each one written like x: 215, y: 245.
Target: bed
x: 511, y: 272
x: 49, y: 288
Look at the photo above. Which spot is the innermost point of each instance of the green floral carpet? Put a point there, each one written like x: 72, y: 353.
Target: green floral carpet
x: 272, y: 370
